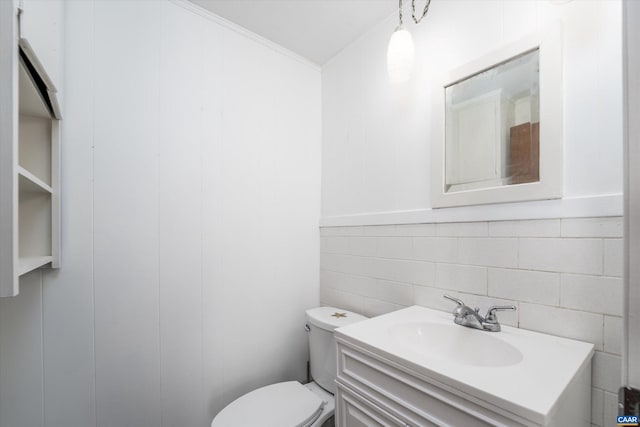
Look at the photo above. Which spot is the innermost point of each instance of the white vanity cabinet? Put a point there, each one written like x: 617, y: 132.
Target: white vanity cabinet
x: 29, y: 141
x: 357, y: 412
x: 405, y: 397
x: 389, y: 374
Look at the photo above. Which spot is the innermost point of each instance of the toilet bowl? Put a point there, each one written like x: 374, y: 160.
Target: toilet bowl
x: 290, y: 403
x: 285, y: 404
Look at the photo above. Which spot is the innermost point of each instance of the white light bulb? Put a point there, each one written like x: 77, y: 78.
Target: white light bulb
x: 400, y: 55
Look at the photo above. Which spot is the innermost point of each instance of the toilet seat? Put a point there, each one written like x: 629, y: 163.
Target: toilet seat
x: 286, y: 404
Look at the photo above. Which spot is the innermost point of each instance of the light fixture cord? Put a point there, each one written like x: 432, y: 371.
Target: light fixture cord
x: 413, y: 9
x: 400, y: 10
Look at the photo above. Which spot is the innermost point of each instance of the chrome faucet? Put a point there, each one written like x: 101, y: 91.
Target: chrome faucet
x: 466, y: 316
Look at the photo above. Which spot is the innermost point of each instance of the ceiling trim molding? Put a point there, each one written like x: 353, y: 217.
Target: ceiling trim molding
x: 186, y: 4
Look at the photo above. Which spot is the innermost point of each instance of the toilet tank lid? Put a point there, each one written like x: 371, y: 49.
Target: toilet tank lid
x: 330, y: 318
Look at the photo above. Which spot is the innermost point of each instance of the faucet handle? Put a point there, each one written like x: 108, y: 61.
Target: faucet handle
x: 460, y: 303
x: 456, y: 300
x: 491, y: 313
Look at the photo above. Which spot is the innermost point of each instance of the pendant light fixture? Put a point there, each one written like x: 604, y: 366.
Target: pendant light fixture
x: 400, y: 53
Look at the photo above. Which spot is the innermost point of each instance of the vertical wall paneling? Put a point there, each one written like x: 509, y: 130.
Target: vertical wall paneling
x: 21, y: 388
x: 269, y: 160
x: 247, y: 151
x: 126, y: 134
x: 190, y: 211
x: 42, y: 22
x: 215, y: 322
x: 180, y: 217
x: 68, y: 313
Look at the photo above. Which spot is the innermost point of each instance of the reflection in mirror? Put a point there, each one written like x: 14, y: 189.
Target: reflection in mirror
x: 493, y: 125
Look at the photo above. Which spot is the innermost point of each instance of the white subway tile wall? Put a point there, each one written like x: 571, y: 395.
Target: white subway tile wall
x: 610, y: 408
x: 563, y: 275
x: 613, y: 334
x: 613, y: 257
x: 597, y: 406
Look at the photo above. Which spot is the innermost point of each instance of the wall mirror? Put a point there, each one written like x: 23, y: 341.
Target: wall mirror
x: 502, y: 126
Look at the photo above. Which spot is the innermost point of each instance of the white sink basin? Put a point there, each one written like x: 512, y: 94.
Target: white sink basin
x: 523, y: 372
x: 455, y: 343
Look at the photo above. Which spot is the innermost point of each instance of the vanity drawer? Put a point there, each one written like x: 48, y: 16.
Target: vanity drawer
x: 418, y: 400
x: 354, y: 411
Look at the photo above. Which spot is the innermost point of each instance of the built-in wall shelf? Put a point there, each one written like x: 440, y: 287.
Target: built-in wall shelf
x: 25, y: 265
x: 30, y: 182
x: 29, y: 153
x: 31, y: 102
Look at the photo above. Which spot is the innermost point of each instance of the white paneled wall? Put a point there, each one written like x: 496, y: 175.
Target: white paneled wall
x: 563, y: 275
x: 68, y: 294
x: 190, y: 248
x: 126, y: 210
x: 21, y: 355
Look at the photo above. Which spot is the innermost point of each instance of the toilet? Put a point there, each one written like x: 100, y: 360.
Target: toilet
x: 289, y: 403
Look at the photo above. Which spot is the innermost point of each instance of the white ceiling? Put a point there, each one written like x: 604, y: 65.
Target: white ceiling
x: 314, y: 29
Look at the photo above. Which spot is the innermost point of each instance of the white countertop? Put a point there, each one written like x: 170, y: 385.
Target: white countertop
x: 529, y: 388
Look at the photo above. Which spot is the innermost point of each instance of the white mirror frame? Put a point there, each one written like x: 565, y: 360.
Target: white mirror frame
x: 549, y: 43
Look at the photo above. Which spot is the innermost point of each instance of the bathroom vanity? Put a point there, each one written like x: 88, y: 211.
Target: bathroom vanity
x: 415, y: 367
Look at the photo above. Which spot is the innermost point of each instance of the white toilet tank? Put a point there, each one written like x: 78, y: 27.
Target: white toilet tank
x: 321, y: 322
